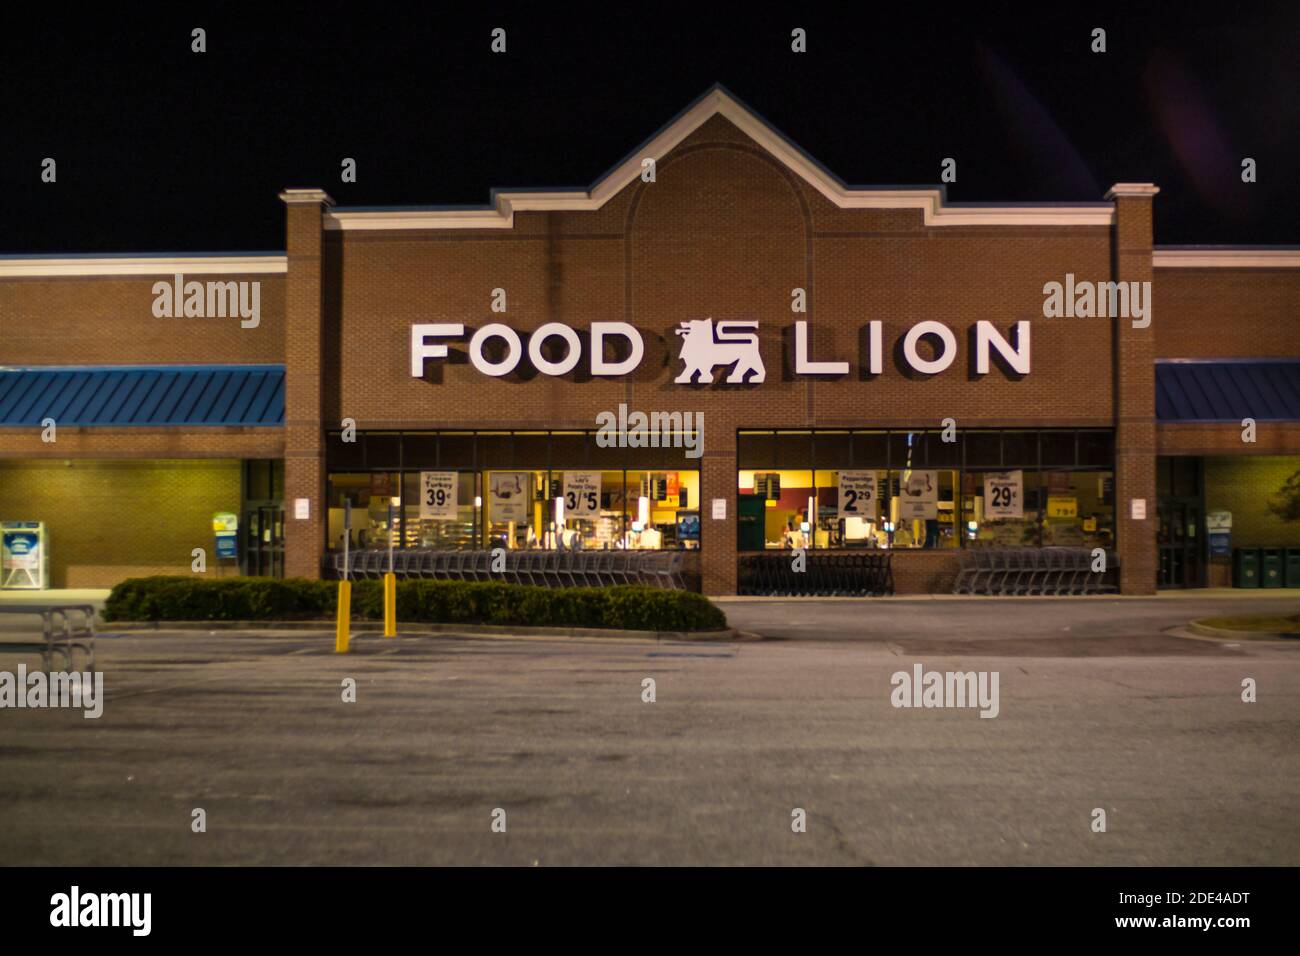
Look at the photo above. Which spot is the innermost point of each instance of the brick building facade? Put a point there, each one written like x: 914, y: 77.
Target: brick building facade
x: 731, y: 222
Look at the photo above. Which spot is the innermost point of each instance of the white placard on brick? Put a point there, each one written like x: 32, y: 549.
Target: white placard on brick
x: 719, y: 509
x: 1138, y: 509
x: 302, y: 508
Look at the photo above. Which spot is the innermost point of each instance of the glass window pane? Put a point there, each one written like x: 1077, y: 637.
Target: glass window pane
x: 1058, y: 449
x: 1097, y: 448
x: 1082, y: 516
x: 370, y: 494
x: 497, y: 450
x: 455, y: 450
x: 1187, y: 478
x: 855, y: 521
x: 662, y: 510
x: 568, y: 450
x: 456, y: 533
x: 1020, y: 449
x: 530, y: 450
x: 786, y: 506
x: 794, y: 450
x: 905, y: 450
x: 833, y: 449
x: 921, y: 509
x: 982, y: 528
x: 343, y: 455
x: 756, y: 450
x: 983, y: 449
x: 257, y: 480
x: 870, y: 450
x: 516, y: 510
x: 419, y: 450
x: 383, y: 450
x: 942, y: 454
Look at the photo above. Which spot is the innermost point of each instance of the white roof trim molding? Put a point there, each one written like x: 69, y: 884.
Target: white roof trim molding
x: 718, y: 101
x: 1209, y: 257
x: 26, y: 266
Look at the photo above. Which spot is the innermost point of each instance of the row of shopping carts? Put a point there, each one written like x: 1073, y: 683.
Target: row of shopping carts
x: 854, y: 573
x: 1038, y: 571
x: 549, y: 569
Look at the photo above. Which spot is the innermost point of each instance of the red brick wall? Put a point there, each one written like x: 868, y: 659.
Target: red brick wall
x: 727, y: 232
x: 1226, y: 313
x: 109, y: 320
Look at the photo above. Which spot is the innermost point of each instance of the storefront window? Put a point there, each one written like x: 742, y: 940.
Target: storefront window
x: 463, y: 490
x: 593, y: 507
x: 516, y: 510
x: 662, y: 510
x: 1000, y: 509
x: 922, y: 514
x: 774, y: 508
x: 439, y: 509
x: 1082, y: 513
x: 370, y: 495
x: 981, y: 488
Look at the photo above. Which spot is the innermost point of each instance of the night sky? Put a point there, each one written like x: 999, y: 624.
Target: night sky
x: 164, y: 150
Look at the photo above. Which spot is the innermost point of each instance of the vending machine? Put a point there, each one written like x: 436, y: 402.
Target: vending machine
x: 24, y: 555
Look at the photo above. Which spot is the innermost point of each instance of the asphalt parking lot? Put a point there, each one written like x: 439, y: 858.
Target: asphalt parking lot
x: 1098, y: 709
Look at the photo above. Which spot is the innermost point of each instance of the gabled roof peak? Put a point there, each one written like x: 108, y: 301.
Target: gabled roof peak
x: 717, y: 100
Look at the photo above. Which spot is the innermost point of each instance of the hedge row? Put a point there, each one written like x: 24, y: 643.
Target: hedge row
x: 626, y: 607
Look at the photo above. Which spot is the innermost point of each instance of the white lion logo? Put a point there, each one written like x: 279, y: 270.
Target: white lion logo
x: 702, y: 351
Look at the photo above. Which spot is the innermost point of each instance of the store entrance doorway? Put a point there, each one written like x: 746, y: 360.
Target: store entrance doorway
x: 1181, y: 541
x: 264, y: 541
x: 1180, y: 537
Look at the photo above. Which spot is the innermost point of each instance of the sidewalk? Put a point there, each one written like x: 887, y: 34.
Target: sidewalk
x: 1173, y: 596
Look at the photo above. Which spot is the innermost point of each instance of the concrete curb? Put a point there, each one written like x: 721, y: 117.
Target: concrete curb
x: 728, y: 635
x: 1227, y: 634
x: 1173, y: 596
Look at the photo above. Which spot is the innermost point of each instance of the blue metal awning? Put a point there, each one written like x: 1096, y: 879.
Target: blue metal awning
x: 1228, y: 391
x: 158, y: 395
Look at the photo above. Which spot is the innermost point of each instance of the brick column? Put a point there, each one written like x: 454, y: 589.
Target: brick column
x: 718, y: 538
x: 304, y: 437
x: 1135, y: 394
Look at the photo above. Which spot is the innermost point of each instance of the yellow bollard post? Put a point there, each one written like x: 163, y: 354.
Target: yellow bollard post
x: 341, y: 638
x: 390, y: 604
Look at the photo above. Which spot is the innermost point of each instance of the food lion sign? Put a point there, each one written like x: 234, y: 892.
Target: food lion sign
x: 706, y: 346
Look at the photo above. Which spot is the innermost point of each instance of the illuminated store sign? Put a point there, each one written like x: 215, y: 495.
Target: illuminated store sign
x: 707, y: 346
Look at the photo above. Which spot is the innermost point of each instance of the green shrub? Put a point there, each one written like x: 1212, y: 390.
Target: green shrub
x: 228, y: 599
x: 627, y: 607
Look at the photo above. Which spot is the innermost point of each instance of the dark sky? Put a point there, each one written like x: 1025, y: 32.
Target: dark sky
x: 164, y: 150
